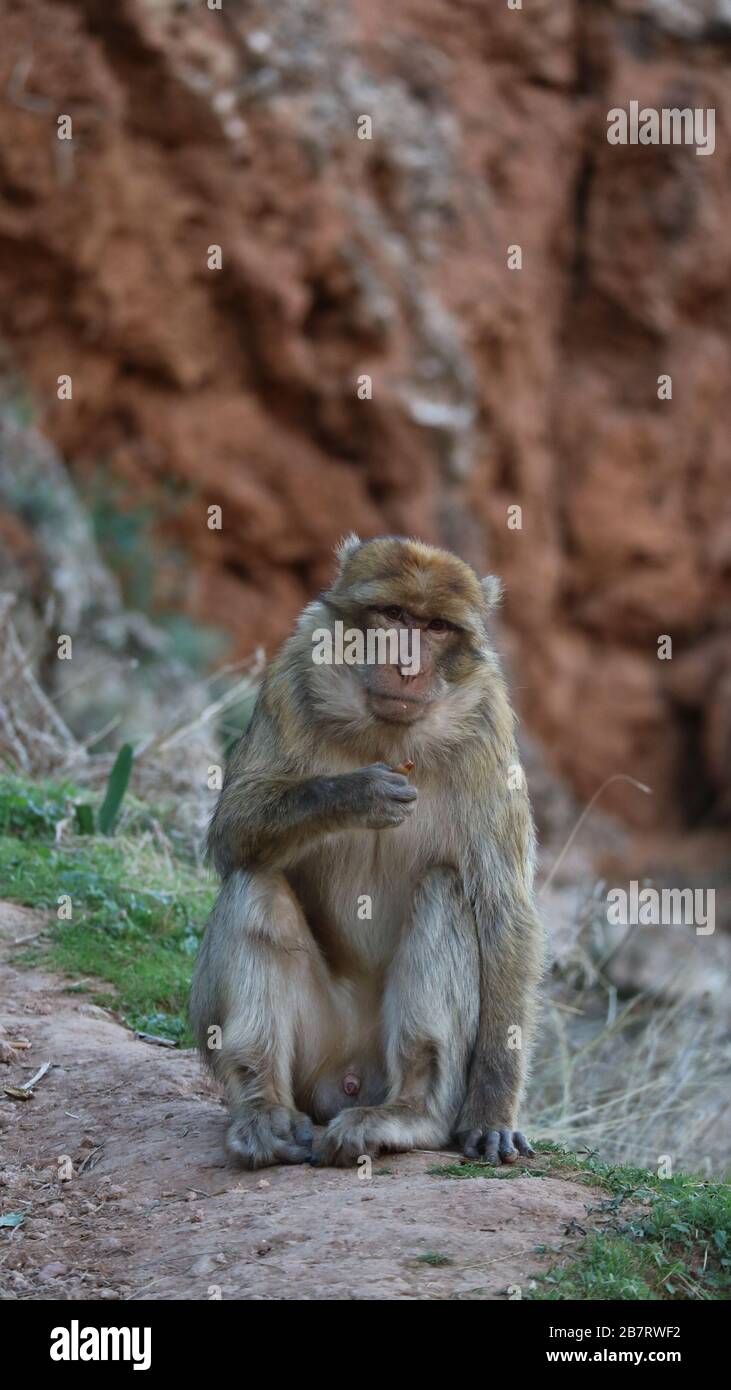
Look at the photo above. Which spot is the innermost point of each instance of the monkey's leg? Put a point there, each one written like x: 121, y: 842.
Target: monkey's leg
x: 430, y: 1018
x: 511, y: 946
x: 260, y: 1005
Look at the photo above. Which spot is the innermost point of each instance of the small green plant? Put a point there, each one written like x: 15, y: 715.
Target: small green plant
x: 116, y: 788
x: 432, y: 1257
x: 113, y: 797
x: 84, y: 818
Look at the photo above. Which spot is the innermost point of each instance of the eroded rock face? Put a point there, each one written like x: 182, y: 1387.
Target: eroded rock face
x: 388, y: 257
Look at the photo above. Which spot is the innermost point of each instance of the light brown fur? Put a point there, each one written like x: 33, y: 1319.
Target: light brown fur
x: 418, y: 1001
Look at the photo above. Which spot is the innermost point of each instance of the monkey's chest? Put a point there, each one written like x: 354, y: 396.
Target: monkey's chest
x: 356, y: 891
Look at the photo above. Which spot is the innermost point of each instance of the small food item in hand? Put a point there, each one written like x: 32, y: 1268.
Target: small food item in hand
x: 404, y: 768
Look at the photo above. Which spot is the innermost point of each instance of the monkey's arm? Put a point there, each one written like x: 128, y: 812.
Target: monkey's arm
x: 511, y: 950
x: 267, y: 820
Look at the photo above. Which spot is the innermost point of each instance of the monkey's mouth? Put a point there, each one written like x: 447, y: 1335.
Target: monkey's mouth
x: 396, y: 709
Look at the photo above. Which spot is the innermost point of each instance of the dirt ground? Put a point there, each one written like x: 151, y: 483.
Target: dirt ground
x: 117, y: 1166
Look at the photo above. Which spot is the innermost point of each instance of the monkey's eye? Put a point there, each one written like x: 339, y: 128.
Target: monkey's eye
x: 393, y: 612
x: 438, y: 625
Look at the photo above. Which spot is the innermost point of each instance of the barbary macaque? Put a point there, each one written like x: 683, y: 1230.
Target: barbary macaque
x: 371, y: 964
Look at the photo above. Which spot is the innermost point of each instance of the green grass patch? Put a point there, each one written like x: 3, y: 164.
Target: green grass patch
x: 44, y: 810
x: 136, y: 913
x: 33, y: 810
x: 551, y: 1161
x: 663, y: 1238
x: 607, y: 1267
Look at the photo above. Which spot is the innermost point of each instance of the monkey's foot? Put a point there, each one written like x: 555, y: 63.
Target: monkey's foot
x: 258, y: 1137
x: 367, y: 1129
x: 483, y: 1145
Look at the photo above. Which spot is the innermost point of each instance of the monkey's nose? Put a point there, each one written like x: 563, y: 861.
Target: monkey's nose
x: 351, y: 1083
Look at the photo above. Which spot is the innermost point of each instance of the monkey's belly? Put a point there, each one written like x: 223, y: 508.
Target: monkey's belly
x: 355, y: 892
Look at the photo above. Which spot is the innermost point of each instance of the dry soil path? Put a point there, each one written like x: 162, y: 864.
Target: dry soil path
x: 116, y: 1164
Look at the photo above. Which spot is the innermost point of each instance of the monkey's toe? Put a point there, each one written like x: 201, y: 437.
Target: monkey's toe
x: 496, y: 1146
x: 259, y: 1138
x: 344, y: 1141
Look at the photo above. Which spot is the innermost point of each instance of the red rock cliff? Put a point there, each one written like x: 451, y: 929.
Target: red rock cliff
x: 388, y: 257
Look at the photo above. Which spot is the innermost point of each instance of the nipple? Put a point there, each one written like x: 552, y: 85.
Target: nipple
x: 351, y: 1083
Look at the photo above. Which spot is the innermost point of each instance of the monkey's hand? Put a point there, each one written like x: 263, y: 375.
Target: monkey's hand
x: 378, y: 797
x: 485, y: 1143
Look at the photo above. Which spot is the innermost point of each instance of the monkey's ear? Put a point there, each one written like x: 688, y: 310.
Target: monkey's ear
x: 347, y: 547
x: 492, y: 588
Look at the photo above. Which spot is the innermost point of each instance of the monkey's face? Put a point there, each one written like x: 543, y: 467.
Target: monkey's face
x: 414, y: 620
x: 412, y: 652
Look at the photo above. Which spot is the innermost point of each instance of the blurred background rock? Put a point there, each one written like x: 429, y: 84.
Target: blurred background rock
x: 491, y: 388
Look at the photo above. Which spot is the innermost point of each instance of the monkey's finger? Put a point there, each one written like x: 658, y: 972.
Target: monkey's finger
x: 285, y: 1123
x: 472, y: 1145
x: 522, y: 1145
x: 292, y: 1153
x: 397, y: 779
x: 304, y: 1132
x: 396, y: 814
x: 492, y: 1146
x: 507, y: 1153
x: 405, y: 793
